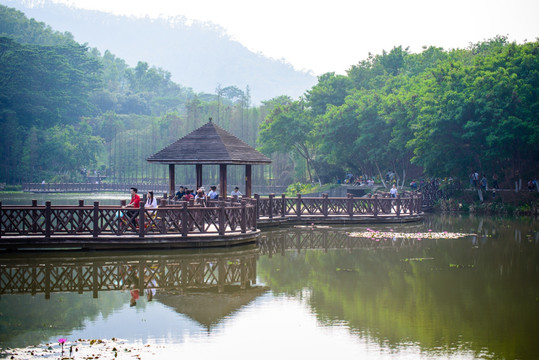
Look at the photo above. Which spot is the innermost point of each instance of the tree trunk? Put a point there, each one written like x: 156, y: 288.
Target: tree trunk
x: 381, y: 176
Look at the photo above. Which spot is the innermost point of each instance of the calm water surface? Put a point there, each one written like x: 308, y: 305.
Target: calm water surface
x: 300, y: 292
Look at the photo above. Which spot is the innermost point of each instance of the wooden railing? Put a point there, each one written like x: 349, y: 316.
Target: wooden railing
x: 98, y: 220
x: 300, y: 207
x: 182, y: 218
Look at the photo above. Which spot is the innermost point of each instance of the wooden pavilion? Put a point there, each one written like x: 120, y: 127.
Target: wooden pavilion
x: 210, y: 145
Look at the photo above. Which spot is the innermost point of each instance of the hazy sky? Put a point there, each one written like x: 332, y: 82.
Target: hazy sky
x: 332, y: 35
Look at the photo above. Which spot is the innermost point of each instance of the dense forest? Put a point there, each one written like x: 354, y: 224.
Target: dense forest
x: 437, y: 113
x: 67, y: 110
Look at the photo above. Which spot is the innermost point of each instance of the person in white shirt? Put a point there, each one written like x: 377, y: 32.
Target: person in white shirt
x: 213, y: 194
x: 151, y: 202
x: 393, y: 191
x: 236, y: 192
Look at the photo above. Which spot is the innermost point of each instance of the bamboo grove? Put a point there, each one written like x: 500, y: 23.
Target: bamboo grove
x: 66, y: 111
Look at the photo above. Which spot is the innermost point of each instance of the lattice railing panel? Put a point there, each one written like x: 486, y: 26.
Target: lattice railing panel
x: 337, y: 206
x: 22, y: 221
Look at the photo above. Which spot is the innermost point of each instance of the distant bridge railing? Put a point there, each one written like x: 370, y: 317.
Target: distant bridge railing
x: 300, y: 207
x: 98, y: 220
x: 124, y: 187
x: 91, y: 187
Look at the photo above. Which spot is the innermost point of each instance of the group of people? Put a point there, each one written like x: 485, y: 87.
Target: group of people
x: 183, y: 193
x: 356, y: 180
x: 481, y: 182
x: 186, y: 194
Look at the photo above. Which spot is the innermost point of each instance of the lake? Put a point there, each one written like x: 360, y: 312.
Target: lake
x: 309, y: 292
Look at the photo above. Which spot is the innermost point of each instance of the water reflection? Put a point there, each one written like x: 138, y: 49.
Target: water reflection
x: 444, y: 296
x: 474, y: 297
x: 205, y: 286
x: 80, y: 272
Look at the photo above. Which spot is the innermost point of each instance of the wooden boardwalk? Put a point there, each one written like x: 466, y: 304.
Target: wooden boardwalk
x: 281, y: 210
x: 182, y: 224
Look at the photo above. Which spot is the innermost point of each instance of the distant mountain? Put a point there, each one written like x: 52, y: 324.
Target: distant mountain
x: 198, y: 55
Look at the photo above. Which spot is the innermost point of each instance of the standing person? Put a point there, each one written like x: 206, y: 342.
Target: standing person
x: 495, y: 181
x: 393, y: 191
x: 475, y: 179
x: 484, y: 183
x: 135, y: 203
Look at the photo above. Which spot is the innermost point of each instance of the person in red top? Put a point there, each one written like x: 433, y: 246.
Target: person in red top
x: 135, y: 203
x: 135, y: 199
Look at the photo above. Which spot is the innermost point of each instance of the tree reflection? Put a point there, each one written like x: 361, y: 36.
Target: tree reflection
x: 473, y: 293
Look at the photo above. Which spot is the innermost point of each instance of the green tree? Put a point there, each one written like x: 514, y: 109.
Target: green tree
x: 289, y: 128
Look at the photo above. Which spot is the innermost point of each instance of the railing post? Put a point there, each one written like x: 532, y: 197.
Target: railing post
x: 185, y: 219
x: 48, y: 220
x: 243, y: 218
x: 141, y: 220
x: 34, y: 217
x: 325, y: 201
x: 350, y: 204
x: 283, y: 205
x: 257, y: 200
x: 222, y: 218
x: 419, y: 203
x: 271, y: 196
x: 375, y: 205
x: 0, y: 218
x: 298, y: 206
x: 95, y: 230
x: 255, y: 204
x: 81, y: 215
x: 398, y: 204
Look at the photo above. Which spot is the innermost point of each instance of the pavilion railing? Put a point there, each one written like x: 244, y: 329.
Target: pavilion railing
x: 302, y: 207
x: 98, y: 220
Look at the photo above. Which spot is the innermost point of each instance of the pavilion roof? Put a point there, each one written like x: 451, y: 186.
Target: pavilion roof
x: 209, y: 144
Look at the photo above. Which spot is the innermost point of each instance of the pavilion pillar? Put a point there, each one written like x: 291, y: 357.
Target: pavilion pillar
x: 171, y: 180
x: 222, y: 181
x: 248, y: 182
x: 199, y: 176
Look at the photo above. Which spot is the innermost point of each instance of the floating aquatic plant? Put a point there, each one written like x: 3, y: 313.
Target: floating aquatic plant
x: 403, y: 235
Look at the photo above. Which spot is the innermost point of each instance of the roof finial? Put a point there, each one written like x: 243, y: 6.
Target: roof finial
x: 210, y: 119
